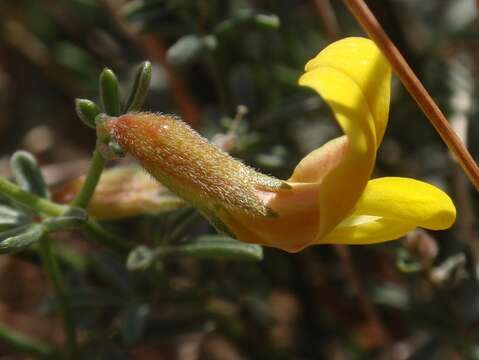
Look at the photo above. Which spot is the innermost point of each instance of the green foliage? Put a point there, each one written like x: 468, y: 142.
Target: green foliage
x: 190, y: 48
x: 162, y: 283
x: 109, y: 92
x: 87, y: 111
x: 27, y: 174
x: 20, y: 237
x: 140, y: 88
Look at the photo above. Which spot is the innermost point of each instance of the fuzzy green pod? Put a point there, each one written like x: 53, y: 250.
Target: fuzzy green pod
x: 189, y: 165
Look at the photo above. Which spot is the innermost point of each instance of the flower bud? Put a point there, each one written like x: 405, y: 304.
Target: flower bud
x: 422, y: 246
x: 189, y: 165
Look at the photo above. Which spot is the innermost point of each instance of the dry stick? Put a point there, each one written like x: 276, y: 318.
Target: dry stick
x: 19, y: 37
x: 368, y: 308
x: 365, y: 303
x: 79, y: 32
x: 156, y: 49
x: 415, y: 88
x: 328, y: 17
x: 153, y: 47
x: 465, y: 207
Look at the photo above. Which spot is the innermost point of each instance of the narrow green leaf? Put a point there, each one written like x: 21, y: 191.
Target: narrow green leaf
x: 136, y: 317
x: 9, y: 216
x: 140, y: 88
x: 72, y: 219
x: 110, y: 268
x: 268, y: 21
x: 142, y: 10
x: 24, y: 344
x: 86, y: 299
x: 248, y: 18
x: 109, y: 92
x: 20, y: 238
x: 213, y: 247
x: 140, y: 258
x: 86, y: 110
x: 189, y: 48
x: 27, y: 174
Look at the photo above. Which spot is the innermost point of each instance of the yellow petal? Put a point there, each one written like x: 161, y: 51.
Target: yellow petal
x: 390, y: 207
x: 361, y: 60
x: 357, y: 230
x: 353, y: 77
x: 409, y: 200
x: 314, y: 167
x: 295, y: 227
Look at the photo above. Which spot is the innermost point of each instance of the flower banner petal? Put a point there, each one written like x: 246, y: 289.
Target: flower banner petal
x: 360, y: 59
x: 353, y: 77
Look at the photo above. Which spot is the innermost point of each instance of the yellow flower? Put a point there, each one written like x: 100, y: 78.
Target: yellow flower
x: 329, y: 198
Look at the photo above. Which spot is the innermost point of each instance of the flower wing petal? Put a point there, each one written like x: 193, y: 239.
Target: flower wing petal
x: 369, y: 231
x: 409, y: 200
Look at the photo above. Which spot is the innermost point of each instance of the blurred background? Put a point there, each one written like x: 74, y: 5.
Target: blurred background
x: 416, y: 298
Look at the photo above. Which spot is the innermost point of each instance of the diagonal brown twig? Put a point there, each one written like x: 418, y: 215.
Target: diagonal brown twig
x: 415, y: 88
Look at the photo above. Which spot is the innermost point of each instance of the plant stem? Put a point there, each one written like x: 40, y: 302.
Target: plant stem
x: 36, y: 203
x: 49, y: 208
x: 82, y: 199
x: 106, y: 238
x: 93, y: 176
x: 24, y: 344
x: 56, y: 278
x: 415, y: 88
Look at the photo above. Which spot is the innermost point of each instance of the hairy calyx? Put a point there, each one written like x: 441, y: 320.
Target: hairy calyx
x: 193, y: 168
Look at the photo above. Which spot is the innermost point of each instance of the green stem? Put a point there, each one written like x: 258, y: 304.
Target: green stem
x: 24, y: 344
x: 107, y: 238
x: 82, y: 199
x: 56, y: 278
x: 49, y: 208
x: 36, y: 203
x: 93, y: 176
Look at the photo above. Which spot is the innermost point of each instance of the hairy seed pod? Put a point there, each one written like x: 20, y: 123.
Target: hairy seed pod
x: 189, y: 165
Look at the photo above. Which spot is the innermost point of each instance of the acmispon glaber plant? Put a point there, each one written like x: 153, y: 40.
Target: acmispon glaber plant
x: 329, y: 197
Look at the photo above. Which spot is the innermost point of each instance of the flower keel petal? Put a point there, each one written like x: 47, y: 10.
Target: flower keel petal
x: 391, y: 207
x: 407, y: 200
